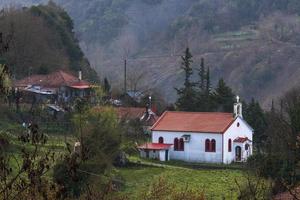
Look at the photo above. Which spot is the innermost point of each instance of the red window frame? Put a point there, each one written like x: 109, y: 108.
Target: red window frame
x: 175, y: 144
x: 207, y: 145
x: 213, y: 145
x: 181, y: 144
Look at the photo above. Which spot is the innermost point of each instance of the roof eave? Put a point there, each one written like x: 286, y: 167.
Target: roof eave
x: 188, y: 131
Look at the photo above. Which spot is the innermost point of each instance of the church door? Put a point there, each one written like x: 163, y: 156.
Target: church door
x: 238, y: 153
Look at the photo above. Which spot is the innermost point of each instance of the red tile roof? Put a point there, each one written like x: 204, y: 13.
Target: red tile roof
x: 53, y: 80
x: 80, y: 85
x: 133, y: 113
x: 207, y: 122
x: 126, y: 112
x: 130, y: 112
x: 241, y: 139
x: 155, y: 146
x: 150, y: 121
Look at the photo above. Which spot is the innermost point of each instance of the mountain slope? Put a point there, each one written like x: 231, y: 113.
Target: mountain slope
x: 252, y: 44
x: 41, y: 41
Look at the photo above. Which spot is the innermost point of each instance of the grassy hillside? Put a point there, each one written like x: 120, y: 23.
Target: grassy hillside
x: 214, y: 183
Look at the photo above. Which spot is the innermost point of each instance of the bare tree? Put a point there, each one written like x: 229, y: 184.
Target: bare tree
x: 27, y: 181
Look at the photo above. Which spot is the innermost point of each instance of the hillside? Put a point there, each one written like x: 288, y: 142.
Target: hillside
x: 253, y: 44
x: 41, y: 40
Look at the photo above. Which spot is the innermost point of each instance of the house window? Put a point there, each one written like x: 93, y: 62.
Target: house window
x: 229, y: 145
x: 161, y: 140
x: 176, y: 144
x: 207, y: 145
x: 181, y: 144
x: 238, y: 124
x: 213, y: 145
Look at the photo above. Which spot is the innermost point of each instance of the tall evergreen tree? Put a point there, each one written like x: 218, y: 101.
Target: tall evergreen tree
x: 208, y: 86
x: 202, y: 76
x: 187, y: 94
x: 106, y: 86
x: 224, y: 97
x: 203, y: 90
x: 255, y: 116
x: 272, y: 107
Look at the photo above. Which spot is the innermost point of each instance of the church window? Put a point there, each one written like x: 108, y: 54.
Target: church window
x: 207, y: 145
x: 229, y: 145
x: 213, y: 145
x: 161, y: 140
x: 181, y: 144
x: 176, y: 144
x: 246, y: 147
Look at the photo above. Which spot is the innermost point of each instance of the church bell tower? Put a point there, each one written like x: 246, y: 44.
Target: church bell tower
x: 237, y: 108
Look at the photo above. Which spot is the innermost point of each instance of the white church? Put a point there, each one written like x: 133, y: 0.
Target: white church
x: 210, y: 137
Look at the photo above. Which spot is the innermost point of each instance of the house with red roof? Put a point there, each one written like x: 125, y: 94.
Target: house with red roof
x: 59, y: 85
x: 145, y: 115
x: 211, y: 137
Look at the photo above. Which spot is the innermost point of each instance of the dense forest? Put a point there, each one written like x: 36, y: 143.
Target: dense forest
x: 41, y: 41
x: 252, y: 44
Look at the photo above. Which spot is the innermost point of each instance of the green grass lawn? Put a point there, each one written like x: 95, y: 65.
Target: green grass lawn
x: 216, y: 183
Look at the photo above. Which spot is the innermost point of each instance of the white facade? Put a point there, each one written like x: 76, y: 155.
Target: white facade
x: 201, y: 137
x: 237, y: 129
x: 194, y: 149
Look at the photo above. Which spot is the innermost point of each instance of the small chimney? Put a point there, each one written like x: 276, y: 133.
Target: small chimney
x: 80, y: 75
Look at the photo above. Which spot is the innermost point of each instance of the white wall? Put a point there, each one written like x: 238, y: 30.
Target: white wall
x: 234, y: 132
x: 194, y: 150
x: 162, y: 155
x: 155, y: 154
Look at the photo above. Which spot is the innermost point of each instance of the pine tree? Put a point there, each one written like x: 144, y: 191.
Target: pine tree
x: 186, y: 95
x: 272, y: 107
x: 106, y: 86
x: 208, y: 86
x: 223, y: 97
x: 255, y: 116
x: 204, y: 98
x: 202, y: 75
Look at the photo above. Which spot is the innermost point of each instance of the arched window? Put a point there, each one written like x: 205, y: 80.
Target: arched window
x: 181, y: 144
x: 176, y: 144
x: 207, y: 145
x: 229, y: 145
x: 213, y: 145
x: 161, y: 140
x: 246, y: 147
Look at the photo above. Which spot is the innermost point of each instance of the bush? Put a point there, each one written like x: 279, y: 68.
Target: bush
x: 161, y: 189
x: 4, y: 140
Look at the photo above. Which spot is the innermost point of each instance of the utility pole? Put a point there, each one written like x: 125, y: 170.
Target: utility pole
x: 125, y: 76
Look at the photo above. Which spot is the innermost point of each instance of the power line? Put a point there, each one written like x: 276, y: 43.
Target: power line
x: 154, y: 56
